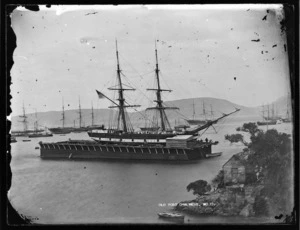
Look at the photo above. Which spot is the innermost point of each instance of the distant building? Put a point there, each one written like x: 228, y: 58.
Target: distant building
x: 236, y: 171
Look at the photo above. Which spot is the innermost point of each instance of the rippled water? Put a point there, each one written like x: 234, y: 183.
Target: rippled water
x: 68, y: 191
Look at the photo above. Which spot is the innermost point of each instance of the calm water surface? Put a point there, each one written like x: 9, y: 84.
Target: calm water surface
x: 68, y: 191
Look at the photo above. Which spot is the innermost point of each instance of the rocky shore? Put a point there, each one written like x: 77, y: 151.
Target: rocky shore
x: 229, y: 201
x: 254, y: 183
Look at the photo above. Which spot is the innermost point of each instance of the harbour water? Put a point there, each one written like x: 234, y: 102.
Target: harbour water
x: 105, y: 191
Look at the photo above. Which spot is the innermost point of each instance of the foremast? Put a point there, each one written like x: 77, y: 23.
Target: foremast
x: 164, y: 122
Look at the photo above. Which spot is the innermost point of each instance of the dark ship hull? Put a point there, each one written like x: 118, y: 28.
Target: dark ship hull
x: 33, y: 135
x: 61, y: 130
x: 286, y: 120
x: 75, y: 130
x: 94, y: 150
x: 23, y: 133
x: 260, y: 123
x: 196, y: 122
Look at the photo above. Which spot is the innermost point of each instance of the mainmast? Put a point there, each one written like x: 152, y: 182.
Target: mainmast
x: 121, y: 106
x: 24, y: 121
x: 163, y: 117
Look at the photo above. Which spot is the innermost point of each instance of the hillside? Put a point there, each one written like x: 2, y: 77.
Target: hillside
x: 102, y: 116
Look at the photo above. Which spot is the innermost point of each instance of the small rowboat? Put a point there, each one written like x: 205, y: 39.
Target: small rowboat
x: 170, y: 215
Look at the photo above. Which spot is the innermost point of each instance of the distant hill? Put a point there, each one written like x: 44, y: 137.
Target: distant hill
x: 103, y: 116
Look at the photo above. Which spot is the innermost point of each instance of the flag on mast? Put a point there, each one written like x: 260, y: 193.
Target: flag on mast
x: 100, y: 95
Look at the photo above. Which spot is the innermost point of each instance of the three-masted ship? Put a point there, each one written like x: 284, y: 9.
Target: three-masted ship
x: 62, y: 129
x: 122, y: 142
x: 37, y: 132
x: 269, y: 119
x: 195, y: 121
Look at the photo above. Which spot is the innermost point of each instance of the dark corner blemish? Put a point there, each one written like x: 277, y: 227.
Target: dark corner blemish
x: 12, y: 216
x: 32, y: 7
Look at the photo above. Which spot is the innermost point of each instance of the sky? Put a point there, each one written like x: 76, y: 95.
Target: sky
x: 233, y: 52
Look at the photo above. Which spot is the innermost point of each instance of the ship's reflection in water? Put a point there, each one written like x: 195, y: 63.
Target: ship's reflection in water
x: 106, y: 191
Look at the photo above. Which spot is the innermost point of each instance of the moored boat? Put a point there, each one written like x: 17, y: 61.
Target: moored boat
x: 170, y: 215
x: 13, y: 139
x: 42, y: 134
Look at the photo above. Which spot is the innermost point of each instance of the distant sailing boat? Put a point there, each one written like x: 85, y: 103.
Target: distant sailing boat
x: 25, y: 125
x: 37, y: 132
x: 93, y: 126
x: 80, y: 128
x: 83, y: 128
x: 63, y: 129
x: 287, y: 118
x: 199, y: 121
x: 120, y: 141
x: 267, y: 120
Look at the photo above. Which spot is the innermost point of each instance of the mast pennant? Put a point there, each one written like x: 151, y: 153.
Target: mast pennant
x: 100, y: 95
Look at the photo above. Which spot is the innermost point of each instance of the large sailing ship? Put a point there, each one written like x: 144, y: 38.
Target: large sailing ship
x: 25, y: 130
x: 37, y: 132
x: 81, y: 128
x: 63, y: 129
x: 287, y: 118
x: 122, y: 142
x: 269, y: 119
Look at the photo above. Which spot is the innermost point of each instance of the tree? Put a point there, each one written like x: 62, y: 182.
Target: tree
x: 271, y: 152
x: 199, y: 187
x: 219, y: 179
x: 235, y: 138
